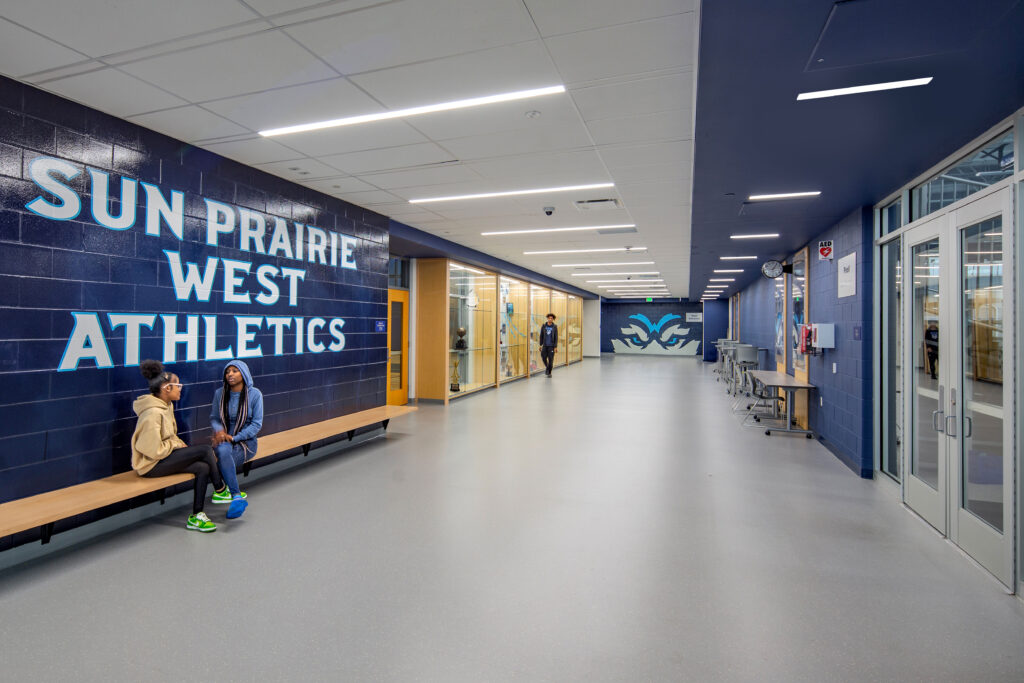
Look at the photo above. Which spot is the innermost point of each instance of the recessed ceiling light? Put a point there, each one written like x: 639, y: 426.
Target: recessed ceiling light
x: 637, y: 272
x: 737, y: 258
x: 582, y: 251
x: 535, y: 230
x: 642, y: 279
x: 784, y: 195
x: 602, y: 265
x: 728, y: 270
x: 632, y: 286
x: 415, y: 111
x: 721, y: 279
x: 512, y: 193
x: 754, y: 237
x: 891, y: 85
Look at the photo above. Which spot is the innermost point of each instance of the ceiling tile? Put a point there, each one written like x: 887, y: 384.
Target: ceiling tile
x: 339, y: 186
x: 103, y: 27
x: 305, y: 103
x: 675, y: 172
x: 369, y: 198
x: 624, y: 50
x: 114, y: 92
x: 232, y: 67
x: 299, y: 170
x: 505, y: 69
x: 286, y: 13
x: 545, y: 139
x: 24, y: 52
x: 415, y: 30
x: 640, y: 96
x: 567, y: 16
x: 347, y: 139
x: 543, y: 170
x: 388, y: 158
x: 669, y: 125
x: 546, y: 112
x: 422, y: 178
x: 188, y: 123
x: 630, y: 155
x: 256, y: 151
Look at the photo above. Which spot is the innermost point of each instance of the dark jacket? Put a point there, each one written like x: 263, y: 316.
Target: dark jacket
x: 553, y: 342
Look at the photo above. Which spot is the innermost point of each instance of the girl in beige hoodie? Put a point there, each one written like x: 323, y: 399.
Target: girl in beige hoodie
x: 156, y: 449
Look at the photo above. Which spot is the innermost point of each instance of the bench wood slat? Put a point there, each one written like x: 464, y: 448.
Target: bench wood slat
x: 42, y: 509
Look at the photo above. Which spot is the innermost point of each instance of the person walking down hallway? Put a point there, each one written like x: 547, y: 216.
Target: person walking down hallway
x: 548, y: 340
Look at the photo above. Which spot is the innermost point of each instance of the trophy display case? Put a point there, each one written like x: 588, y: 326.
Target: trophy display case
x: 513, y: 328
x: 472, y: 299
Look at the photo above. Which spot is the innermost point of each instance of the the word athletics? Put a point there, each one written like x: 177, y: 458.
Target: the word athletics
x: 243, y: 282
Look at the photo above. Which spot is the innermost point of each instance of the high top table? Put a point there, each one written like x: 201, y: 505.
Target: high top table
x: 786, y: 383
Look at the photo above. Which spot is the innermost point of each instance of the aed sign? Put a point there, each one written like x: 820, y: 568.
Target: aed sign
x: 825, y: 250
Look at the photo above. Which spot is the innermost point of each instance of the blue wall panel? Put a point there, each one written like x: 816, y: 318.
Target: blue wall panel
x: 656, y: 328
x: 757, y: 319
x: 716, y: 326
x: 61, y: 428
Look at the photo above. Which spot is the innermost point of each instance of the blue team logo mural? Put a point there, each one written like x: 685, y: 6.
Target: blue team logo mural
x: 668, y: 336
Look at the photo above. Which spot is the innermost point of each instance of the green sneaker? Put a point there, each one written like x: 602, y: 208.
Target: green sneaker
x: 200, y: 522
x: 224, y: 497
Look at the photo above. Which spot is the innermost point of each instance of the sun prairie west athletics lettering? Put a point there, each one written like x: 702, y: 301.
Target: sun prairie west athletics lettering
x: 243, y: 282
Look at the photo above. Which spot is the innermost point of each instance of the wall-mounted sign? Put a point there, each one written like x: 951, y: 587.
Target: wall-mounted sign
x: 694, y: 317
x: 381, y: 325
x: 825, y: 252
x: 847, y: 273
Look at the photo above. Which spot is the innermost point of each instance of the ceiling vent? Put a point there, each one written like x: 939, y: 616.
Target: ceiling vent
x: 597, y: 204
x: 615, y: 231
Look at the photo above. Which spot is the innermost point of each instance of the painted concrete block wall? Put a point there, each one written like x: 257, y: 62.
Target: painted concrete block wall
x: 651, y: 328
x: 842, y: 416
x: 757, y: 319
x: 716, y: 326
x: 59, y: 428
x: 591, y: 328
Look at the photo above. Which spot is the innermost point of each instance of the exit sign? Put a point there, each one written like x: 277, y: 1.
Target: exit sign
x: 650, y: 299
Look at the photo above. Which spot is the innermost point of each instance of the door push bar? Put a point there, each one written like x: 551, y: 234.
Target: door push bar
x: 937, y: 415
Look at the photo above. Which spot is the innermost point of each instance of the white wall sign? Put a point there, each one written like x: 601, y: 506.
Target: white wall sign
x: 694, y: 317
x: 847, y: 274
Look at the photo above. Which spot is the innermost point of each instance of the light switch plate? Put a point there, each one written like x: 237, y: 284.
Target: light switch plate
x: 834, y: 368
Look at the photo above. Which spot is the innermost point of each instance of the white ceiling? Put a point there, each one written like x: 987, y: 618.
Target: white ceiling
x: 213, y: 72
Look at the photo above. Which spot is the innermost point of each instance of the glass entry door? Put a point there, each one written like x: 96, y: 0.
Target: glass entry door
x: 398, y: 347
x: 959, y: 322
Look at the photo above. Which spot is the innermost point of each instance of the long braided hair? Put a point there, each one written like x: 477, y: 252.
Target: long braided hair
x: 243, y: 403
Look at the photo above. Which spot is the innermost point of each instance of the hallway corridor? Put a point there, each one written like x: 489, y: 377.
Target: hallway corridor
x: 613, y: 523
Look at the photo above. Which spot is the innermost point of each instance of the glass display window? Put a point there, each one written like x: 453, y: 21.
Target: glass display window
x: 559, y: 308
x: 574, y: 329
x: 513, y: 328
x: 540, y: 306
x: 472, y: 328
x: 797, y: 309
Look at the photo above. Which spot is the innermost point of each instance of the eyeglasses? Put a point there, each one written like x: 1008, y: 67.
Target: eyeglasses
x: 173, y: 384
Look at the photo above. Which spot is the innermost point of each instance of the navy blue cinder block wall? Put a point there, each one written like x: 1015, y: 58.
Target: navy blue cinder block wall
x: 716, y: 326
x: 842, y: 416
x: 839, y: 412
x: 61, y: 428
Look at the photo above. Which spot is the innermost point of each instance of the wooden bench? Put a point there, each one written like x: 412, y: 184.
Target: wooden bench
x: 43, y: 510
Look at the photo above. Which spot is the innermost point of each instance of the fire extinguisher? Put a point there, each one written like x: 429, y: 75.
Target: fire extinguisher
x: 805, y: 339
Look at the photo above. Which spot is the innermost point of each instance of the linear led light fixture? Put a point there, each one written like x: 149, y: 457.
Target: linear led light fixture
x: 472, y: 270
x: 512, y: 193
x: 874, y: 87
x: 415, y: 111
x: 536, y: 230
x: 737, y: 258
x: 754, y: 237
x: 728, y: 270
x: 638, y: 272
x: 602, y: 265
x: 783, y: 195
x: 583, y: 251
x: 632, y: 286
x: 721, y: 279
x: 639, y: 279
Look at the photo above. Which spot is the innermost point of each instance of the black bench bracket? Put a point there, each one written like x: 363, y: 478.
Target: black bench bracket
x: 45, y: 533
x: 305, y: 450
x: 246, y: 468
x: 384, y: 424
x: 351, y: 434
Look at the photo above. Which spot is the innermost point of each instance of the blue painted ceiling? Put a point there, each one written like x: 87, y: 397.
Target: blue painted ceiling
x: 753, y: 136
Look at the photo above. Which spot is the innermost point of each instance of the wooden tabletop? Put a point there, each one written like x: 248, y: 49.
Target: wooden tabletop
x: 770, y: 378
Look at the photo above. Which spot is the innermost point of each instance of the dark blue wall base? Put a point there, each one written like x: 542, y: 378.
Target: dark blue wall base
x: 847, y: 459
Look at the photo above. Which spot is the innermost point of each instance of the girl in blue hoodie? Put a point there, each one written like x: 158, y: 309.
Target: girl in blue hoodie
x: 236, y: 416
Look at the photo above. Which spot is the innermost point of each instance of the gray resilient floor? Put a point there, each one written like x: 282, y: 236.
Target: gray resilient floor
x: 613, y: 523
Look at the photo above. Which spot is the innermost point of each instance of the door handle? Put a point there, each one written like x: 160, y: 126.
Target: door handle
x: 937, y: 420
x: 968, y: 427
x: 951, y: 429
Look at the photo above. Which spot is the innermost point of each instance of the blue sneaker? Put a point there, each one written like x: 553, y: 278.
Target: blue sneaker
x: 237, y: 507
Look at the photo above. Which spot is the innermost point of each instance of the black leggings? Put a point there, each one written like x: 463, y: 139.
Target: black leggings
x: 200, y: 461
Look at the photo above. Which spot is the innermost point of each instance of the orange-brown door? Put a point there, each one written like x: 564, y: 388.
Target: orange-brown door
x: 398, y: 347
